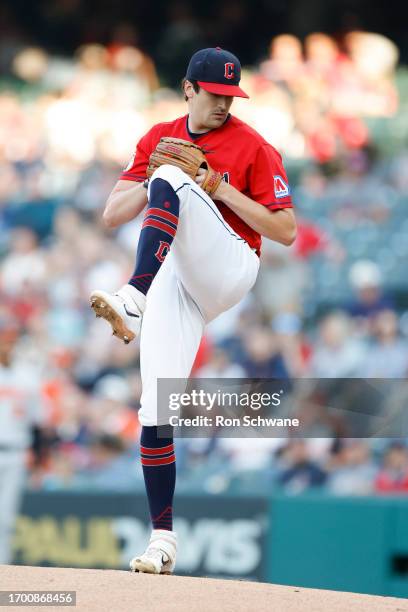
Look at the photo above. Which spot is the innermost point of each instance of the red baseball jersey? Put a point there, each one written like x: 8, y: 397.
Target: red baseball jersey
x: 239, y: 153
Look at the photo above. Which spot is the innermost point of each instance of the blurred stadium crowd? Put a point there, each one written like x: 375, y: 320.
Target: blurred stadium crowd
x: 333, y: 305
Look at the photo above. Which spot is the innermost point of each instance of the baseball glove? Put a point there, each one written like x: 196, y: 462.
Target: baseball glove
x: 187, y: 156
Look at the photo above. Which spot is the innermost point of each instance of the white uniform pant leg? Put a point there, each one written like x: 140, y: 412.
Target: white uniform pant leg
x: 12, y: 479
x: 208, y: 270
x: 171, y: 331
x: 215, y: 265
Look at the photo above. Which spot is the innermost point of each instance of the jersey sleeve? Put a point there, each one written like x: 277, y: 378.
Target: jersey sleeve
x: 268, y: 183
x: 136, y: 168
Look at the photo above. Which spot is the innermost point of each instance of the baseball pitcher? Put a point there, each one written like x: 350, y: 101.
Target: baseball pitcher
x: 213, y: 186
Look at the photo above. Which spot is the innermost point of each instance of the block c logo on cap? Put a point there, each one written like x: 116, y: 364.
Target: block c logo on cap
x: 229, y: 70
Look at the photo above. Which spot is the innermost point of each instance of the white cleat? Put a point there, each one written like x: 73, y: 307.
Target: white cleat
x: 123, y: 310
x: 160, y: 555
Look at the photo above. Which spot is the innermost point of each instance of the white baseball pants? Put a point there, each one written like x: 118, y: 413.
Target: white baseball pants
x: 208, y: 269
x: 12, y: 481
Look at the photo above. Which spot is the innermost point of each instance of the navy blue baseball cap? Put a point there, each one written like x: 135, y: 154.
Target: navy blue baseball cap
x: 217, y: 71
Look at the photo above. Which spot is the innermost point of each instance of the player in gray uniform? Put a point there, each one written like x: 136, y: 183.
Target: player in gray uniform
x: 20, y: 409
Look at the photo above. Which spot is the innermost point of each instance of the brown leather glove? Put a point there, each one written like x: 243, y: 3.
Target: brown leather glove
x: 187, y: 156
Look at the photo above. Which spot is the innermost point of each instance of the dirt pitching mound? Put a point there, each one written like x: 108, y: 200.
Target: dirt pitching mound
x: 120, y: 591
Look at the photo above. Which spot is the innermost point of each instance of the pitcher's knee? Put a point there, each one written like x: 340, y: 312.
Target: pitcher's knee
x: 172, y: 174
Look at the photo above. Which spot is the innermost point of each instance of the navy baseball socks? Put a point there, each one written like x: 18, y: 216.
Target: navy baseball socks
x: 159, y: 471
x: 158, y: 231
x: 124, y: 310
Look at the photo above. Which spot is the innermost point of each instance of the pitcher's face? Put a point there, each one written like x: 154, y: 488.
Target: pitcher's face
x: 207, y: 110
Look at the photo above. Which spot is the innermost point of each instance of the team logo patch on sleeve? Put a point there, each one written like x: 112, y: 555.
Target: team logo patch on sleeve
x: 281, y: 187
